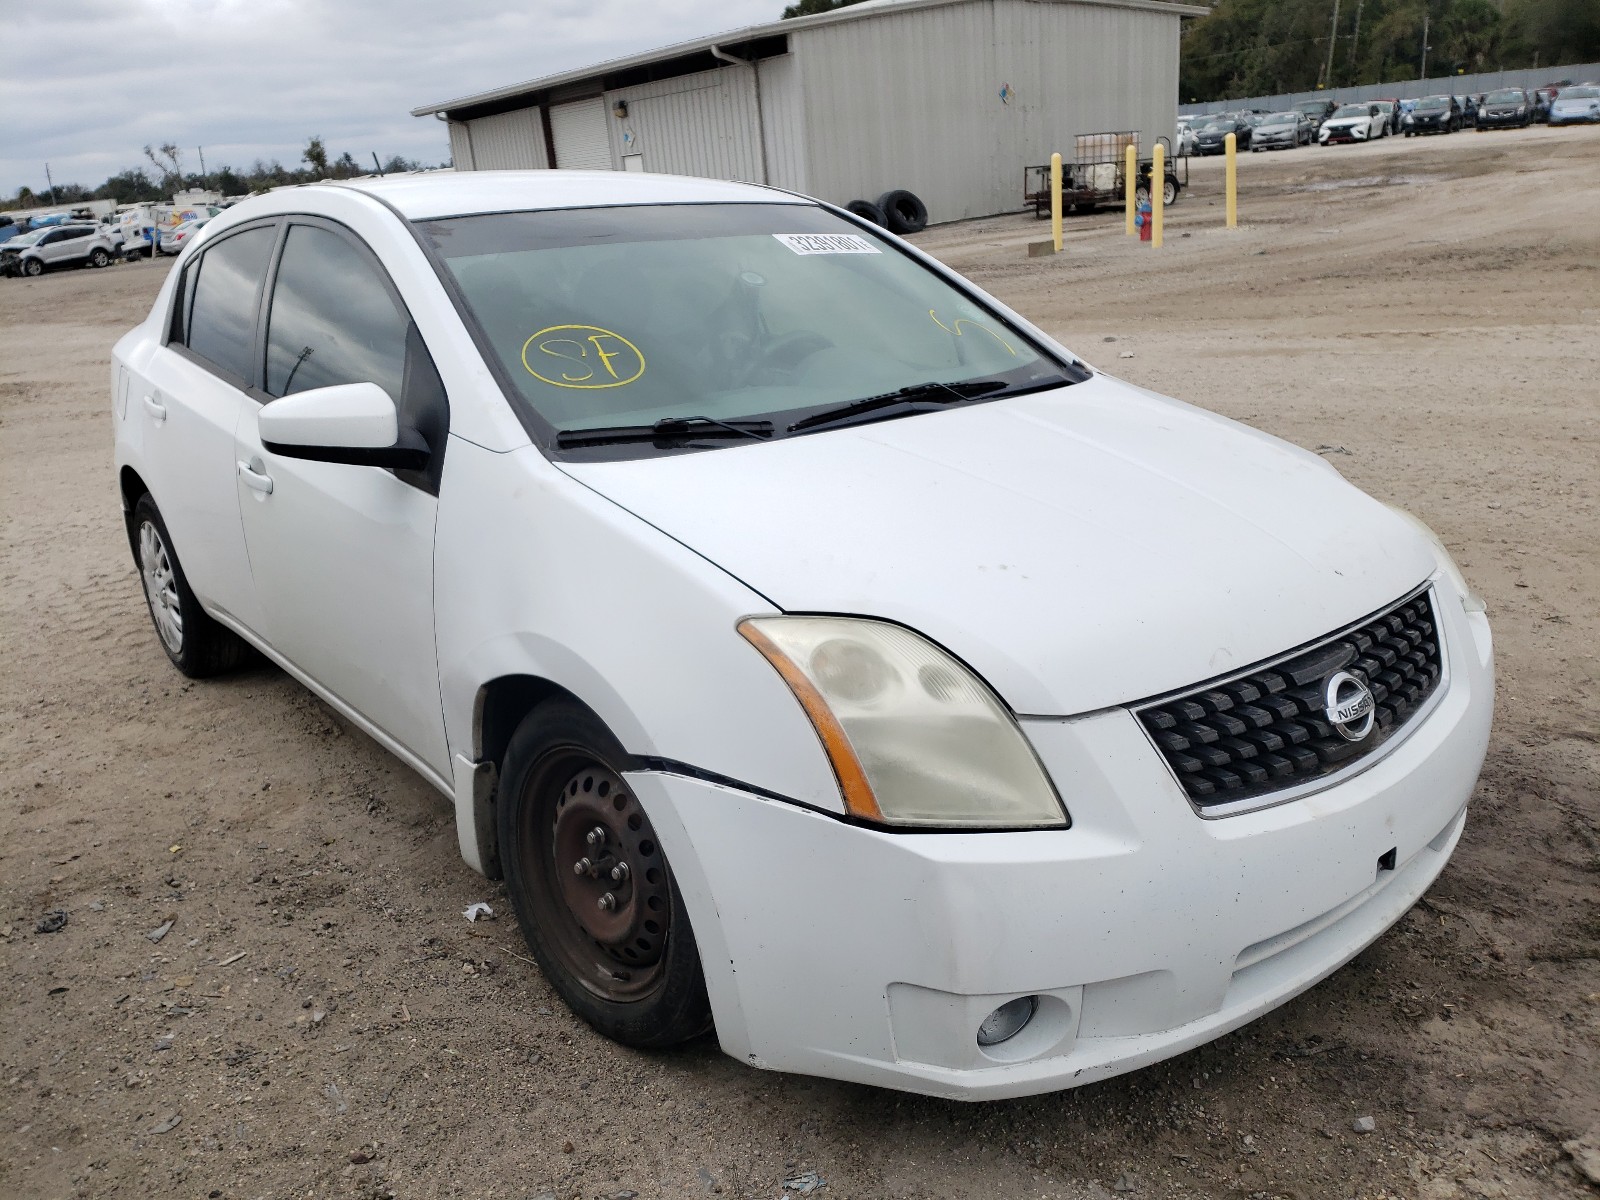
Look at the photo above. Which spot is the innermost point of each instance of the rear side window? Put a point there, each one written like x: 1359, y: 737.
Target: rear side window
x: 332, y: 319
x: 221, y: 300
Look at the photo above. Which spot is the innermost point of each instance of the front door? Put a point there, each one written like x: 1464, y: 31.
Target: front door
x: 341, y: 555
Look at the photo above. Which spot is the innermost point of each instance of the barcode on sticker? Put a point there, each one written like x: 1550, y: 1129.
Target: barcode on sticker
x: 827, y: 243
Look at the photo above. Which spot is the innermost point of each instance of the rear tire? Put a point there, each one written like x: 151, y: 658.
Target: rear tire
x: 99, y: 258
x: 196, y: 644
x: 617, y: 946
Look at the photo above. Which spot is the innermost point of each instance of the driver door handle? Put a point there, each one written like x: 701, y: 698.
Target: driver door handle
x: 259, y: 480
x: 155, y: 408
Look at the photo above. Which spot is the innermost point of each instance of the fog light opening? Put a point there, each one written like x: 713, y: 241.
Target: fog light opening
x: 1005, y: 1022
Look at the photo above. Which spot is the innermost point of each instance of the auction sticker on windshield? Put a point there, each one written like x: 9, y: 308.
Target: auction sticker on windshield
x: 827, y: 243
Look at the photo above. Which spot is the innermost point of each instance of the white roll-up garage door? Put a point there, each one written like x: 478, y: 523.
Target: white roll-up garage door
x: 580, y: 135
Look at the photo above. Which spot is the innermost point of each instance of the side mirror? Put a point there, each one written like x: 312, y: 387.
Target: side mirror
x: 352, y: 423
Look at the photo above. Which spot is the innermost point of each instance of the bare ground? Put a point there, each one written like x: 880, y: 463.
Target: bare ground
x: 1425, y: 313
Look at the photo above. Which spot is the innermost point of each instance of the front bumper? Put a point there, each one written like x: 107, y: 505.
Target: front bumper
x: 1491, y: 120
x: 1342, y: 135
x: 836, y: 950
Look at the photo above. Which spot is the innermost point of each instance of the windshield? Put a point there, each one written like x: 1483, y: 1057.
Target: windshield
x: 603, y: 317
x: 1506, y: 96
x: 27, y: 239
x: 1353, y: 110
x: 1226, y: 123
x: 1581, y: 93
x: 1289, y: 118
x: 1431, y: 103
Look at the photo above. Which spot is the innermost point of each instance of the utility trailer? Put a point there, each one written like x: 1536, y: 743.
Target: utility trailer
x: 1095, y: 176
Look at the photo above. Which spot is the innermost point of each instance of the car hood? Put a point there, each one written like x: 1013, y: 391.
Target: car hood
x: 1080, y: 548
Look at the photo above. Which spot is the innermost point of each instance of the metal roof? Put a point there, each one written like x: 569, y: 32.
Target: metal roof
x: 854, y: 12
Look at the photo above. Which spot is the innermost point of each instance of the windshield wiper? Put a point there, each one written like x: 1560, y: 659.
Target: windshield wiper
x: 916, y: 393
x: 668, y: 429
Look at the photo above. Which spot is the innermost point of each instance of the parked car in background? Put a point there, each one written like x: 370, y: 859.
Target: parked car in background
x: 1318, y: 110
x: 1576, y: 105
x: 1211, y: 137
x: 57, y: 246
x: 1503, y: 107
x: 1362, y: 122
x: 1283, y: 131
x: 1434, y: 114
x: 174, y: 238
x: 819, y: 776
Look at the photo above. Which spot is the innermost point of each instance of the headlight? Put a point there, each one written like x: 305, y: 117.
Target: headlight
x: 915, y: 738
x: 1470, y: 600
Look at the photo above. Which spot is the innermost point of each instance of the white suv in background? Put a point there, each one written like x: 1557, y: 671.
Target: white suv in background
x: 60, y: 246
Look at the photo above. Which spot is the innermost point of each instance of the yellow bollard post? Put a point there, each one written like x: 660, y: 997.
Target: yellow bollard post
x: 1232, y: 144
x: 1055, y: 201
x: 1158, y: 194
x: 1130, y: 180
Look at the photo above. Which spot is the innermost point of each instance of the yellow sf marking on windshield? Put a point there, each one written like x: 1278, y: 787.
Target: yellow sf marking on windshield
x: 956, y: 331
x: 615, y: 361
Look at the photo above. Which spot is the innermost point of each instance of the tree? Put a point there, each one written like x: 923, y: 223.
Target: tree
x: 810, y: 8
x: 129, y: 187
x: 317, y: 155
x: 347, y: 167
x: 168, y: 160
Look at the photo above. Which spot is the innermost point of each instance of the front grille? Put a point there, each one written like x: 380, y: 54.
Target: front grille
x: 1266, y: 730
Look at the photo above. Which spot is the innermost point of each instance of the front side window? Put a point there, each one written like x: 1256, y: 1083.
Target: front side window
x: 222, y: 306
x: 603, y: 317
x: 332, y: 319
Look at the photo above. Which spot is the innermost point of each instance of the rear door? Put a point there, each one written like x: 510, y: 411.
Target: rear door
x: 190, y: 397
x: 342, y: 555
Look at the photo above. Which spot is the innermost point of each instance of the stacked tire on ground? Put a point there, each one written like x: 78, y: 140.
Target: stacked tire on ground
x: 898, y: 211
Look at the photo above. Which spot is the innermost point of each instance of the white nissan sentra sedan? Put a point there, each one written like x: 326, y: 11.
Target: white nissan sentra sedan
x: 819, y: 651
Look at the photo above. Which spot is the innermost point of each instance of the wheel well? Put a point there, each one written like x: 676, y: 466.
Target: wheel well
x: 132, y: 488
x: 500, y: 707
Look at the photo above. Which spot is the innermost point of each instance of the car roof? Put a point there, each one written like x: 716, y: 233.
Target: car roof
x: 462, y: 193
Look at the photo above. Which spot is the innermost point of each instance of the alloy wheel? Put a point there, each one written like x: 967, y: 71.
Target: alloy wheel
x: 160, y: 587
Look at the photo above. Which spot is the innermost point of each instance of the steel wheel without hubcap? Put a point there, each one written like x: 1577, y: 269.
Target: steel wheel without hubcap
x: 160, y: 587
x: 603, y: 879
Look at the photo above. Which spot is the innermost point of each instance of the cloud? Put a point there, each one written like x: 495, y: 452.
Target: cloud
x: 89, y: 83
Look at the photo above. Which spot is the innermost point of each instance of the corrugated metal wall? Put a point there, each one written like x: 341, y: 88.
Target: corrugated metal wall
x: 460, y: 146
x: 1411, y: 89
x: 913, y: 99
x: 783, y: 121
x: 703, y: 124
x: 505, y: 142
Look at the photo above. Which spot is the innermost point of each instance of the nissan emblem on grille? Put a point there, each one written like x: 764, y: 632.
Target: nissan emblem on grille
x: 1289, y: 721
x: 1349, y: 705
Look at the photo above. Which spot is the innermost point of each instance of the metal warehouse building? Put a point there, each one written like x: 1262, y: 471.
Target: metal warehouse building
x: 950, y: 99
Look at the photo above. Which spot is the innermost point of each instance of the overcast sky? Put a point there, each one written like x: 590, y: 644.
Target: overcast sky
x: 88, y: 83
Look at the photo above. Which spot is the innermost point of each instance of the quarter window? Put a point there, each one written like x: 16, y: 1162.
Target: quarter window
x: 332, y: 319
x: 222, y: 306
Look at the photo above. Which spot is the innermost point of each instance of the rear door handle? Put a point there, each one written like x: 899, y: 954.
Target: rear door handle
x: 155, y: 408
x: 259, y: 480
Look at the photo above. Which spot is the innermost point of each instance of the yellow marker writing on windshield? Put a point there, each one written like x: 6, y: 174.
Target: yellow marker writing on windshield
x: 582, y: 356
x: 955, y: 330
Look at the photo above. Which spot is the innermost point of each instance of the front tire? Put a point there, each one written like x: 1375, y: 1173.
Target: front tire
x: 591, y: 886
x: 32, y: 268
x: 196, y: 644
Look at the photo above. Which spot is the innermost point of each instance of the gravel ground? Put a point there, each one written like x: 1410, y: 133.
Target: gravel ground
x: 317, y: 1018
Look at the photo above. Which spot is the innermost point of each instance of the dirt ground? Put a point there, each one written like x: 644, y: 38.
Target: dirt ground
x: 321, y: 1021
